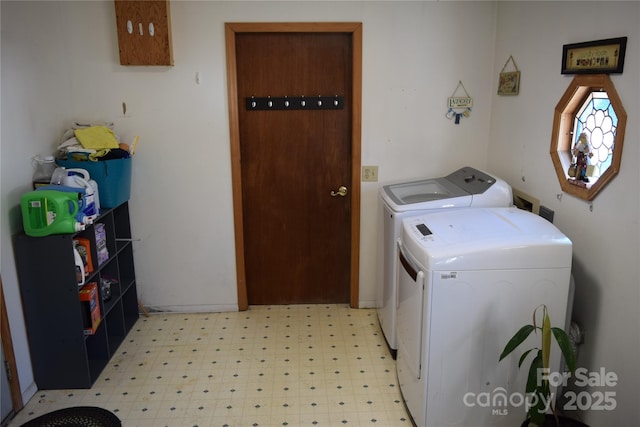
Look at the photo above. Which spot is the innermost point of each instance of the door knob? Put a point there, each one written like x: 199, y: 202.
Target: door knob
x: 342, y: 191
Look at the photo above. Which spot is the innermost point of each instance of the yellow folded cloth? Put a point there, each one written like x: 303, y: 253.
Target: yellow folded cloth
x: 96, y: 137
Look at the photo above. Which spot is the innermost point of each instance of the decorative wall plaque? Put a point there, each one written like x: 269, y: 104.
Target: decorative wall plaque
x: 509, y: 83
x: 459, y: 106
x: 596, y: 57
x: 144, y: 32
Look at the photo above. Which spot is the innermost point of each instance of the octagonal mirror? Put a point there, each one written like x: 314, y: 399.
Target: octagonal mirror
x: 588, y: 135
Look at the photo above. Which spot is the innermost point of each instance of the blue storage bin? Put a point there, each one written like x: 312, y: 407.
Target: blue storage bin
x: 113, y: 178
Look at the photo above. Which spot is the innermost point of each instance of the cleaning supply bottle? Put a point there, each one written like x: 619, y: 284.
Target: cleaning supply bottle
x: 80, y: 273
x: 49, y: 212
x: 43, y: 170
x: 81, y: 216
x: 79, y: 178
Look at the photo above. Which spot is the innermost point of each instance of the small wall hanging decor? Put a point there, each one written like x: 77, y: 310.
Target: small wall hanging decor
x: 459, y: 106
x: 509, y: 83
x: 596, y: 57
x: 144, y: 32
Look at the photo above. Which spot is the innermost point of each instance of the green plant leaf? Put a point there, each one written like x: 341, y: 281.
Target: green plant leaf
x: 524, y: 356
x: 532, y: 378
x: 537, y: 412
x: 538, y: 391
x: 565, y: 346
x: 516, y: 340
x: 546, y: 338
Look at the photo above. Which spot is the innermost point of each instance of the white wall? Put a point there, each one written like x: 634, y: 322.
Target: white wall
x: 607, y: 239
x: 61, y: 64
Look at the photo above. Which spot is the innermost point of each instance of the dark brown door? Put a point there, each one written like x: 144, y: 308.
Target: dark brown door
x: 297, y: 235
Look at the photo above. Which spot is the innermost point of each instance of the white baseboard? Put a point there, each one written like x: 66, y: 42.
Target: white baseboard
x: 205, y: 308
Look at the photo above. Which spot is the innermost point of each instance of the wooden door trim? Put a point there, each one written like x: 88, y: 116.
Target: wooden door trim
x: 7, y: 348
x: 355, y: 29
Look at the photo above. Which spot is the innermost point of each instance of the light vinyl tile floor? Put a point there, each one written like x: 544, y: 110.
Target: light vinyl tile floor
x: 289, y: 365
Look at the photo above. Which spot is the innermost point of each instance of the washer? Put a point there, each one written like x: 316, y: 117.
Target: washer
x: 468, y: 279
x: 467, y: 187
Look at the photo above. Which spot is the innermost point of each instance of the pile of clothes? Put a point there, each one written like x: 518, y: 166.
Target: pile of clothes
x: 93, y: 141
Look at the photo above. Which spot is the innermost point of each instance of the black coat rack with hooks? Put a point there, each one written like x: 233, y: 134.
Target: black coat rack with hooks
x: 295, y: 103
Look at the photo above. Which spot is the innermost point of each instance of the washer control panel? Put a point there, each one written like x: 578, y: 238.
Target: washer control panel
x: 471, y: 180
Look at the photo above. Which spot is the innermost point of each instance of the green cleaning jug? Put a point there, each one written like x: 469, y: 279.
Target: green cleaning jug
x: 48, y: 212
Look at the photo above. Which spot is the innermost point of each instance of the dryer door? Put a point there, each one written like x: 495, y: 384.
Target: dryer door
x: 410, y: 311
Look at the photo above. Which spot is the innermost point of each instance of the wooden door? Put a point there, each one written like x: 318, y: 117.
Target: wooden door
x: 297, y: 234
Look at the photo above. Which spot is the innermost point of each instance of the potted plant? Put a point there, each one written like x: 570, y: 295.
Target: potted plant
x: 538, y: 385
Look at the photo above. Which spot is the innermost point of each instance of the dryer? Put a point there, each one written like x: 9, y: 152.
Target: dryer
x: 468, y: 279
x: 467, y: 187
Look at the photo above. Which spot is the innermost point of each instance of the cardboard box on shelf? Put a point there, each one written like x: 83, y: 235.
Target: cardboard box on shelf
x: 101, y: 243
x: 90, y: 307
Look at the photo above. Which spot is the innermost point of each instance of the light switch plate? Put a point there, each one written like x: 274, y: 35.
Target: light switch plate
x: 369, y: 173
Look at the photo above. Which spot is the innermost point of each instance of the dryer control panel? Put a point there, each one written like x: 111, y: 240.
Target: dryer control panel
x: 423, y: 229
x: 418, y: 231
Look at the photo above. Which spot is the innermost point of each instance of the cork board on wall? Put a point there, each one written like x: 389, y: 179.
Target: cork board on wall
x: 144, y: 32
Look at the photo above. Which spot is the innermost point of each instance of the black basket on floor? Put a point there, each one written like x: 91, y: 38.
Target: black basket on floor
x: 79, y: 416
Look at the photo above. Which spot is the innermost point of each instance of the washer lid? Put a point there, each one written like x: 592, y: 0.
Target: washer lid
x: 463, y: 188
x: 428, y: 190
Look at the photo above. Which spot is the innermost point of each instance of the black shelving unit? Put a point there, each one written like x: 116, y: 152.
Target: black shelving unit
x: 63, y: 357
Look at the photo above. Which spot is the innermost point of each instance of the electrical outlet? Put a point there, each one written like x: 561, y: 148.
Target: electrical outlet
x: 369, y: 173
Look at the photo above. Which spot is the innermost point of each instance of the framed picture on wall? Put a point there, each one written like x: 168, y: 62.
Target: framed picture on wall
x: 595, y: 57
x: 509, y: 83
